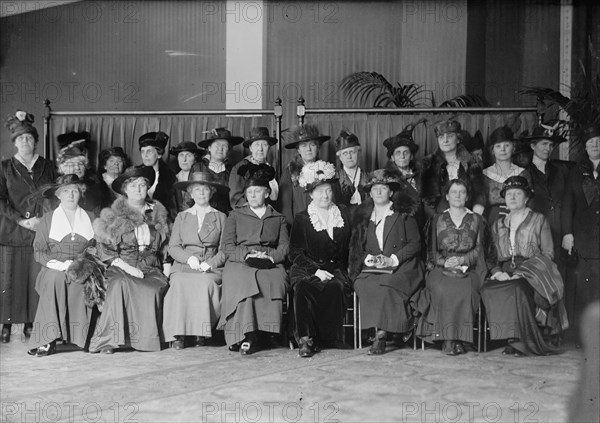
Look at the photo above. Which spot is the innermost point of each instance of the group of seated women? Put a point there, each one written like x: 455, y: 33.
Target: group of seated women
x: 229, y: 248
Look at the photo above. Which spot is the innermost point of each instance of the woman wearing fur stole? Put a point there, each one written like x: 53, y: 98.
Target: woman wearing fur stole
x: 385, y: 262
x: 450, y: 161
x: 132, y: 237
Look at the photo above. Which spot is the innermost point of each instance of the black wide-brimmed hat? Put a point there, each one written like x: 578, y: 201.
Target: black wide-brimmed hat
x: 72, y: 139
x: 154, y: 139
x: 220, y: 134
x: 62, y: 181
x: 516, y: 182
x: 346, y: 139
x: 546, y: 132
x: 21, y: 123
x: 140, y: 171
x: 501, y: 134
x: 184, y: 146
x: 258, y: 134
x: 382, y: 177
x: 304, y: 133
x: 446, y: 126
x: 202, y: 178
x: 403, y: 139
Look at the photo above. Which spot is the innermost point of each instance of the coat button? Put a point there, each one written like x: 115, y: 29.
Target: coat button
x: 395, y: 246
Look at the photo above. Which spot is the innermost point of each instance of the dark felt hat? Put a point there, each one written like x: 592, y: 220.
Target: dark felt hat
x: 184, y: 146
x: 403, y: 139
x: 62, y: 181
x: 259, y: 133
x: 471, y: 142
x: 446, y: 126
x: 256, y: 174
x: 304, y: 133
x: 501, y: 134
x: 591, y: 131
x: 72, y: 139
x: 111, y: 151
x: 220, y: 134
x: 382, y: 177
x: 140, y: 171
x: 516, y: 182
x: 21, y: 123
x: 546, y: 132
x: 346, y: 139
x: 202, y: 178
x: 154, y: 139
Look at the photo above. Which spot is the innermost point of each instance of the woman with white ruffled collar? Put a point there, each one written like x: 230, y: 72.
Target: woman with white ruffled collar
x: 319, y: 256
x: 60, y: 237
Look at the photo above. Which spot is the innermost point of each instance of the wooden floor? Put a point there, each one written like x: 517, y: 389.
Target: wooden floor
x: 211, y: 384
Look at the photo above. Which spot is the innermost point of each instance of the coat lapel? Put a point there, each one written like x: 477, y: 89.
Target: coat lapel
x: 390, y: 221
x: 208, y: 226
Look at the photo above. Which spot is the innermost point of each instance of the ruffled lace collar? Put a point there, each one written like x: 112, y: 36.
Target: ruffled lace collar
x: 334, y: 220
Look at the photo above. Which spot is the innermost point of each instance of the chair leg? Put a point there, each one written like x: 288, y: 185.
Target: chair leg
x: 356, y: 325
x: 479, y: 329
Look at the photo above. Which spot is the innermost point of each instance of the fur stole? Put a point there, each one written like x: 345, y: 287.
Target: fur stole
x: 295, y: 167
x: 434, y: 176
x: 402, y: 203
x: 119, y: 219
x: 89, y: 271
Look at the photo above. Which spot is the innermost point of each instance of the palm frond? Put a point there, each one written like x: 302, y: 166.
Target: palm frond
x: 360, y: 86
x: 466, y: 100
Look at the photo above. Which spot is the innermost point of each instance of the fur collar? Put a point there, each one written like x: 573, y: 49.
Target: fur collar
x: 401, y: 203
x: 295, y: 167
x: 119, y: 219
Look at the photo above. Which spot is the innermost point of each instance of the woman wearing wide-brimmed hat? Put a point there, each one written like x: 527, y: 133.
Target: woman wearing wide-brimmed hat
x: 385, y: 236
x: 581, y: 227
x: 524, y: 296
x: 401, y: 152
x: 501, y: 146
x: 548, y: 179
x: 132, y: 238
x: 456, y: 260
x: 20, y: 176
x: 60, y: 237
x: 450, y: 161
x: 256, y: 243
x: 217, y: 146
x: 192, y: 306
x: 259, y: 142
x: 319, y: 255
x: 306, y: 140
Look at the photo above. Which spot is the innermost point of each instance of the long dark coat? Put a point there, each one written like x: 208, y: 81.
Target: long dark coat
x: 581, y: 217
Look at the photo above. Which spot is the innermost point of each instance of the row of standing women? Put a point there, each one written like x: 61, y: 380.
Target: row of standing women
x: 387, y: 264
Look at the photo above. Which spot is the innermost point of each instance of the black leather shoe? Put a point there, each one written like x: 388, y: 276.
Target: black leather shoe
x: 448, y: 348
x: 179, y: 344
x: 201, y: 341
x: 27, y: 329
x: 378, y: 346
x: 6, y: 333
x: 46, y: 350
x: 459, y: 348
x: 305, y: 347
x: 107, y: 350
x: 235, y: 347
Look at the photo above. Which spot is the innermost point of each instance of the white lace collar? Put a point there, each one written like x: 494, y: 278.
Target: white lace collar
x: 388, y: 212
x: 334, y: 220
x: 60, y: 226
x: 492, y: 173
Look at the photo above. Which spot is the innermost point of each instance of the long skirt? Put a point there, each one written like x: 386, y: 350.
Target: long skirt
x: 192, y: 304
x: 132, y: 312
x: 18, y: 272
x: 511, y: 312
x: 61, y: 313
x: 260, y: 311
x: 319, y: 307
x: 453, y: 302
x: 382, y: 306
